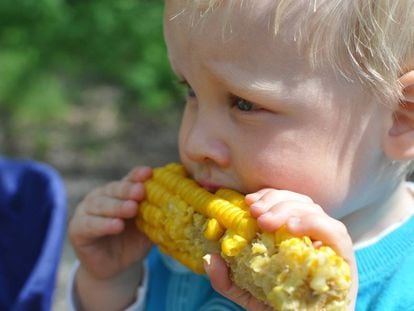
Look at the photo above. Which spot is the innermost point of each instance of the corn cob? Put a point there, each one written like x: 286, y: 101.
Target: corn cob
x: 286, y: 272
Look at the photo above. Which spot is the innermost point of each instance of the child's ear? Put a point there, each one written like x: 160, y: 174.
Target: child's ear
x: 399, y: 139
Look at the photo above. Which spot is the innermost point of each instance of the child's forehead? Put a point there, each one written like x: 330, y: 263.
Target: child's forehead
x: 241, y: 34
x: 219, y: 36
x: 250, y: 23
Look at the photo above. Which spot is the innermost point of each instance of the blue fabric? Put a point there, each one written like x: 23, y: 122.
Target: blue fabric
x: 187, y: 291
x: 32, y: 228
x: 386, y: 276
x: 157, y: 286
x: 386, y: 272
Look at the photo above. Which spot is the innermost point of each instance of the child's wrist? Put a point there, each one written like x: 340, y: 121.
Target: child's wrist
x: 116, y: 292
x: 132, y: 272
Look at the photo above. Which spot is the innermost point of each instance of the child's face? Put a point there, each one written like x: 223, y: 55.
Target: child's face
x: 257, y: 116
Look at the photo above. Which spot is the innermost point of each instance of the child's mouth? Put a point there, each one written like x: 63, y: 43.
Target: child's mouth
x: 209, y: 186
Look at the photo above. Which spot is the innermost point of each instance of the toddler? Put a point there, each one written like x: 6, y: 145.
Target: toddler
x: 307, y: 107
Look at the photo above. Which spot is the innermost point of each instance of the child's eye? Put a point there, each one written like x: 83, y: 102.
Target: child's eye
x: 243, y: 105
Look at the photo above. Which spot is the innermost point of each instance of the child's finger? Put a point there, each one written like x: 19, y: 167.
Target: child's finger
x: 319, y: 227
x: 139, y: 174
x: 110, y: 207
x: 278, y: 214
x: 90, y: 227
x: 124, y: 190
x: 270, y: 194
x: 255, y: 196
x: 219, y: 277
x: 267, y: 198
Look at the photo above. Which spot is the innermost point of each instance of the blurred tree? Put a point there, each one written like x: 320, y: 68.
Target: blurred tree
x: 51, y: 49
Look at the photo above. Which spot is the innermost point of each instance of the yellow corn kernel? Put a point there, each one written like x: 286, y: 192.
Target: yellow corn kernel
x: 232, y: 244
x: 281, y: 235
x: 204, y: 202
x: 233, y: 197
x: 214, y: 230
x: 176, y: 168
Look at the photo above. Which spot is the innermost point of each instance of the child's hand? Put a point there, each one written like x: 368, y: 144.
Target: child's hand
x: 102, y: 230
x: 275, y: 208
x: 301, y: 216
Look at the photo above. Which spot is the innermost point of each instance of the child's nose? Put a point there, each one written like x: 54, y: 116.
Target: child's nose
x: 206, y: 142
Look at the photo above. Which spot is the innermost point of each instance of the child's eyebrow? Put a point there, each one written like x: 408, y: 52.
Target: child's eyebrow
x: 262, y: 88
x: 230, y: 75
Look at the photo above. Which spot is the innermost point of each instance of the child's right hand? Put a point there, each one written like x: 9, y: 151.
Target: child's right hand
x: 102, y: 230
x: 302, y: 217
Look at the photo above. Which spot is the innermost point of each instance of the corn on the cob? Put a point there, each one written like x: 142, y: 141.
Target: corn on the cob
x: 286, y: 272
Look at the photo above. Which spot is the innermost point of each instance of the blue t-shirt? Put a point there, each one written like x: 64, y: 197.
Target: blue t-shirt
x: 386, y: 272
x: 386, y: 279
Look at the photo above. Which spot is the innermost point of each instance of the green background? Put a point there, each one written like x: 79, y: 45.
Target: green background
x: 54, y: 54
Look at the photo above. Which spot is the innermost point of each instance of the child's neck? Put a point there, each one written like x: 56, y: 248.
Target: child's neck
x: 372, y: 222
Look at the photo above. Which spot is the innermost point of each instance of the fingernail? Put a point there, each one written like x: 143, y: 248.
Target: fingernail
x: 207, y: 259
x: 265, y: 218
x: 253, y: 196
x: 258, y: 204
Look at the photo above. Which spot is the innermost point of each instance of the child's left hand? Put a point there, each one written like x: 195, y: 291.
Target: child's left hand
x: 302, y: 217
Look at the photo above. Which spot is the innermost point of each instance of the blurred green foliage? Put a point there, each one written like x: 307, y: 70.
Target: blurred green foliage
x: 51, y: 49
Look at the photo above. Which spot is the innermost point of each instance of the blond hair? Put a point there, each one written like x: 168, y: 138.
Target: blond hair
x: 371, y: 40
